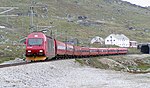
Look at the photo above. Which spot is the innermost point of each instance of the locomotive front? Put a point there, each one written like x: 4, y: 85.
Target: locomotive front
x: 35, y: 47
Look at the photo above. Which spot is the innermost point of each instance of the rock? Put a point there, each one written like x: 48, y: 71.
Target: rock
x: 82, y: 17
x: 112, y: 64
x: 148, y: 70
x: 128, y: 63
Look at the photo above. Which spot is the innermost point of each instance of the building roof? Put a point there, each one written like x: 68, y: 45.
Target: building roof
x: 97, y: 39
x: 119, y: 36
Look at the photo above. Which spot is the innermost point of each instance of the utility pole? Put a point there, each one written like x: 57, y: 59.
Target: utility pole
x: 34, y: 12
x: 31, y: 18
x: 66, y: 36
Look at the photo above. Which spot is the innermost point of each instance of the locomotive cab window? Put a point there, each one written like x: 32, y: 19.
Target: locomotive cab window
x: 35, y: 41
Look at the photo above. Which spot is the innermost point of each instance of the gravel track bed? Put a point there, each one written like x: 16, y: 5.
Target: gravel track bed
x: 68, y: 74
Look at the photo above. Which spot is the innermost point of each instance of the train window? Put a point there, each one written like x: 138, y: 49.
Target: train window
x: 35, y: 41
x: 104, y: 50
x: 85, y: 50
x: 70, y: 48
x: 93, y: 50
x: 100, y: 50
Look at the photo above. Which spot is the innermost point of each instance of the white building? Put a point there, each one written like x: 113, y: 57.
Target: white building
x: 117, y: 39
x: 133, y: 44
x: 97, y: 39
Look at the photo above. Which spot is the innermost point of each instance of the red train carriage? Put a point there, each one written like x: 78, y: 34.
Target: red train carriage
x: 85, y: 52
x: 63, y: 49
x: 39, y: 47
x: 77, y: 51
x: 60, y: 48
x: 122, y: 50
x: 69, y: 50
x: 103, y: 51
x: 112, y: 51
x: 93, y: 51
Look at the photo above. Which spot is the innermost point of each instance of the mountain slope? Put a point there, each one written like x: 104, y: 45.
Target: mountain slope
x: 102, y: 17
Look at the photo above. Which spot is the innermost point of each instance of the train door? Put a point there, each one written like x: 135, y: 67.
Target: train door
x: 50, y: 48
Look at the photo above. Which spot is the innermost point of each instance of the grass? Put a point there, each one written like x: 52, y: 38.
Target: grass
x: 9, y: 52
x: 133, y: 51
x: 80, y: 61
x: 94, y: 63
x: 89, y: 10
x: 142, y: 67
x: 117, y: 19
x: 6, y: 59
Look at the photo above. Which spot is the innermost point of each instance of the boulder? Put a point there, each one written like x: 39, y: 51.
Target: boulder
x: 112, y: 64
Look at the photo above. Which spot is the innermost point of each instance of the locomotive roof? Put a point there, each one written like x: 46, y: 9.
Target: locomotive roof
x: 39, y: 33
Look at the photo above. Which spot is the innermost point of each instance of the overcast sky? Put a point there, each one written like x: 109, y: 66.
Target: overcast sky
x: 139, y: 2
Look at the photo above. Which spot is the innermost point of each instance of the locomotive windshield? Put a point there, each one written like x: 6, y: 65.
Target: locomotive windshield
x: 35, y: 41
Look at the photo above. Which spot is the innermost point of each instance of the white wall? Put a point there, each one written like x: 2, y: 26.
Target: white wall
x: 113, y: 41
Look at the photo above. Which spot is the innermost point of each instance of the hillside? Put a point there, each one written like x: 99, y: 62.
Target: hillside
x: 103, y: 17
x: 81, y: 19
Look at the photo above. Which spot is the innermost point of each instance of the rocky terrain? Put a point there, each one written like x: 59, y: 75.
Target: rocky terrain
x: 133, y: 63
x: 72, y: 19
x: 68, y: 74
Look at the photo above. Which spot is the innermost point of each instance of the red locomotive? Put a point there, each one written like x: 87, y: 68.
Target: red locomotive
x: 42, y: 47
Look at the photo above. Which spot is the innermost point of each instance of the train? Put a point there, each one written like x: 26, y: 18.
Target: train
x: 40, y: 47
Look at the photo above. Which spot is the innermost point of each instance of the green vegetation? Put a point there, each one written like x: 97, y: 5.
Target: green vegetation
x: 92, y: 62
x: 125, y: 63
x: 140, y: 67
x: 133, y: 51
x: 103, y: 18
x: 144, y: 67
x: 113, y: 17
x: 9, y: 52
x: 79, y: 61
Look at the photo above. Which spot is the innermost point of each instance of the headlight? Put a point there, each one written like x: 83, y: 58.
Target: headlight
x: 29, y: 51
x: 41, y: 51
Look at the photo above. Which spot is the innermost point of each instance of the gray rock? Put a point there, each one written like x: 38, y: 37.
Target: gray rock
x: 112, y: 64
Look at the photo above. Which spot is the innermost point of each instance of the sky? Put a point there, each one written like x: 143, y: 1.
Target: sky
x: 139, y: 2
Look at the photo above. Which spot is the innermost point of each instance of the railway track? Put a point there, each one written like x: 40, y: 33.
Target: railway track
x: 13, y: 64
x: 19, y: 63
x: 25, y: 63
